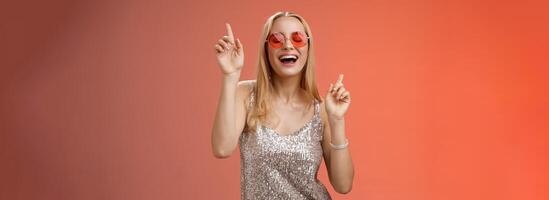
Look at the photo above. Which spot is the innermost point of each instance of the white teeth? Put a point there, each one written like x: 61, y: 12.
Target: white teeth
x: 288, y: 56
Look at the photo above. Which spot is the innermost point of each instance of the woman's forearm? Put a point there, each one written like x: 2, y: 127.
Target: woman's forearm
x: 224, y: 128
x: 341, y: 164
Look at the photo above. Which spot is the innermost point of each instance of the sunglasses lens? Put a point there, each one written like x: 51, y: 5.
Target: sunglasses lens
x: 276, y: 40
x: 299, y: 39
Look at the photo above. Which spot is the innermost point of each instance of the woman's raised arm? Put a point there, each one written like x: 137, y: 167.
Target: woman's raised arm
x: 231, y: 110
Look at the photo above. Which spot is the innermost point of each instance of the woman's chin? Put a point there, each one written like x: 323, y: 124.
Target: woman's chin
x: 284, y: 71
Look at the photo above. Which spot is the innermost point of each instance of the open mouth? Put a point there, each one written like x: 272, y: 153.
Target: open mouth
x: 288, y: 59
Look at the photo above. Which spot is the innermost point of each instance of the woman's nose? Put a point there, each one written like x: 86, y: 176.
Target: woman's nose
x: 288, y: 44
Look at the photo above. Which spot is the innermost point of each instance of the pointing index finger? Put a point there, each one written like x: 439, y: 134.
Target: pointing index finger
x: 340, y: 79
x: 230, y: 32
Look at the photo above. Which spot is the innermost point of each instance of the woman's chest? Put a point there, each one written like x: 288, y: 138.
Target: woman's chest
x: 268, y: 147
x: 288, y: 120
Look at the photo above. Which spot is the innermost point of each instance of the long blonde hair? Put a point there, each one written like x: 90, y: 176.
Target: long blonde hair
x: 264, y: 85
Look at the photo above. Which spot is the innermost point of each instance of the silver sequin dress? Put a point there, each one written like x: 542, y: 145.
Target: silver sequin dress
x: 275, y: 166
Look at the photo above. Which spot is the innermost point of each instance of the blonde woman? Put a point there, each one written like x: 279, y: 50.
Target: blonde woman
x: 282, y: 125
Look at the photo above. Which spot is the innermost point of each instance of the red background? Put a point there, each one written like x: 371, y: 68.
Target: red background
x: 115, y: 99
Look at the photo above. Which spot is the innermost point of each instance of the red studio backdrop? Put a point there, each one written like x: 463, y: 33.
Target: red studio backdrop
x: 116, y: 99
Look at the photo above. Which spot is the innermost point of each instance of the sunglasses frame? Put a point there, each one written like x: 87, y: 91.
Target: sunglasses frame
x: 285, y: 38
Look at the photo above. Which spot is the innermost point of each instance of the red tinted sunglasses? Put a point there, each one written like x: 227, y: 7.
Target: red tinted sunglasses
x: 298, y: 39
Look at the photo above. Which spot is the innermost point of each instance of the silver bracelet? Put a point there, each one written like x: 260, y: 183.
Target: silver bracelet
x: 341, y: 146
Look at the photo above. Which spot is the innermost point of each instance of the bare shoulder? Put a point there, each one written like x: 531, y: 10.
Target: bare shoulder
x: 324, y: 118
x: 244, y: 89
x: 323, y: 113
x: 246, y: 83
x: 245, y: 86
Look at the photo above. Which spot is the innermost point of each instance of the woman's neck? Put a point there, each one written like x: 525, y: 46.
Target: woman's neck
x: 287, y: 89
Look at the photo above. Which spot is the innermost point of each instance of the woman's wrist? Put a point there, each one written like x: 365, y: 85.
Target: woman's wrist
x: 336, y: 121
x: 231, y: 78
x: 340, y: 146
x: 337, y: 127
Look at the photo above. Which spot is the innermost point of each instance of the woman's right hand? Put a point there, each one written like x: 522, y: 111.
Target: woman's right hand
x: 230, y: 54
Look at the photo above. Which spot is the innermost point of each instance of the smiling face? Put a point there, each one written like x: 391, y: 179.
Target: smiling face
x: 287, y: 58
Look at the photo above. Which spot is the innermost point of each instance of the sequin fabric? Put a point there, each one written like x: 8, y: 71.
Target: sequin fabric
x: 275, y: 166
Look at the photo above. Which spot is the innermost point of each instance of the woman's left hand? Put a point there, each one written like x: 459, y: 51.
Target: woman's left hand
x: 338, y: 100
